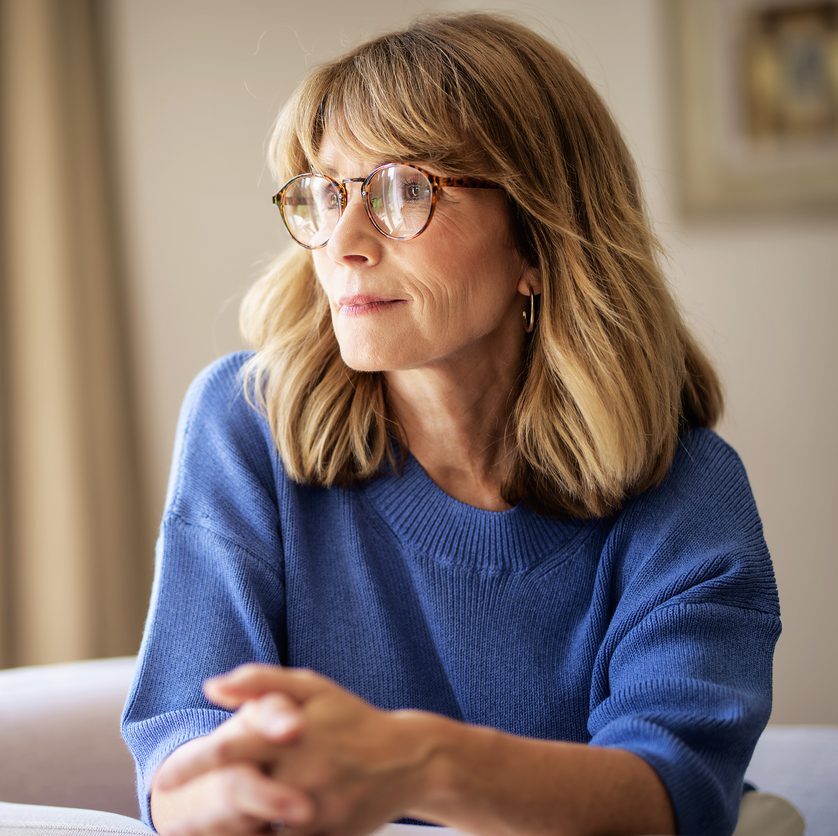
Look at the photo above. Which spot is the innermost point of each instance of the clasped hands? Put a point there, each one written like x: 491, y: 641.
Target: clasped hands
x: 300, y: 750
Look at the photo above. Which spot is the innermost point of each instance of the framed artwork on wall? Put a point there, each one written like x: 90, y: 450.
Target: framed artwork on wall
x: 757, y: 104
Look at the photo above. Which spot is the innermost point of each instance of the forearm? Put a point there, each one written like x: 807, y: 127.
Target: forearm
x: 484, y: 781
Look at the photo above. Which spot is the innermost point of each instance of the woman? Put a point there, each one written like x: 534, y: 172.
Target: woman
x: 460, y: 514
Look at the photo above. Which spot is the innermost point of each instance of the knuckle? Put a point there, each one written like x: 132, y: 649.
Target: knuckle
x: 248, y: 712
x: 275, y: 701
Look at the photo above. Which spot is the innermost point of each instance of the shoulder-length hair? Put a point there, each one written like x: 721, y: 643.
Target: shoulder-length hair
x: 611, y: 374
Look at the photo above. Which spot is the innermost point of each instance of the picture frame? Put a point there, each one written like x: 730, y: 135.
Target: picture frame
x: 756, y: 108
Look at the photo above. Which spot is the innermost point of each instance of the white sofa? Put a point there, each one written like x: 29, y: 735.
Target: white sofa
x: 61, y: 748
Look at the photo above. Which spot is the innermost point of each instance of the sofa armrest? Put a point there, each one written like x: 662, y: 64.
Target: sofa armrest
x: 61, y: 745
x: 27, y: 820
x: 800, y: 763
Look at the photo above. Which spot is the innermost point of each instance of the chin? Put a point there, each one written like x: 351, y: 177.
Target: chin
x: 371, y: 358
x: 363, y: 366
x: 364, y: 361
x: 374, y: 349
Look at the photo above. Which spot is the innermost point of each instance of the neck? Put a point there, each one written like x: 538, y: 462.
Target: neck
x: 454, y: 415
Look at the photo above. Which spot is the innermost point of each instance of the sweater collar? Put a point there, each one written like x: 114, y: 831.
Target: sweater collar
x: 433, y: 523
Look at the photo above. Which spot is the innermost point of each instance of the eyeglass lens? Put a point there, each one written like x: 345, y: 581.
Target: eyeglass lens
x: 399, y: 201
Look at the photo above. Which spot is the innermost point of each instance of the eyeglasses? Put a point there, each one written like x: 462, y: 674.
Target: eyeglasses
x: 399, y: 199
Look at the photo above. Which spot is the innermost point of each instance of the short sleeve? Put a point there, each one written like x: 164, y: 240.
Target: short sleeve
x: 683, y: 678
x: 217, y: 598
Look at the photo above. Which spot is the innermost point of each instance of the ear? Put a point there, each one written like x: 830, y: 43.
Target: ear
x: 530, y: 279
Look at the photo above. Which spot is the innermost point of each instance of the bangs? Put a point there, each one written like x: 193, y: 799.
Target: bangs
x: 397, y: 98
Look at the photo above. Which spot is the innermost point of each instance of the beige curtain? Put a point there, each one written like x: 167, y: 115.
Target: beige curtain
x: 74, y: 561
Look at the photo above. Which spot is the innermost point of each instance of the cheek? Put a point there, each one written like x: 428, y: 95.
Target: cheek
x: 320, y: 263
x: 481, y: 244
x: 443, y: 292
x: 481, y: 274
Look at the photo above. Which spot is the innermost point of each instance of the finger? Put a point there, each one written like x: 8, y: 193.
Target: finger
x: 268, y: 800
x: 228, y: 697
x: 275, y: 716
x: 228, y: 744
x: 249, y: 800
x: 253, y: 680
x: 217, y: 693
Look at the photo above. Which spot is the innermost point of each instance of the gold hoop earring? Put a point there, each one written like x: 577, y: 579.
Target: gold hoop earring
x: 529, y: 315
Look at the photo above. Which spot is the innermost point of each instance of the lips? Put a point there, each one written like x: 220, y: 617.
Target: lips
x: 365, y: 303
x: 363, y: 299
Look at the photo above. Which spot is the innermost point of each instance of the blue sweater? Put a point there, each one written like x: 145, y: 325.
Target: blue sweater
x: 651, y: 630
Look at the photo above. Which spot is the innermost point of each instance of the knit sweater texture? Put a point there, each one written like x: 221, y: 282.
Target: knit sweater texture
x: 651, y: 630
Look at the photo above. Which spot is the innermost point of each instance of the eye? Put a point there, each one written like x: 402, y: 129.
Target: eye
x: 414, y: 190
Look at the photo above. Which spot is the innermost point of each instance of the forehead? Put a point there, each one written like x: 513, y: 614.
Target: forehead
x: 339, y: 158
x: 336, y: 158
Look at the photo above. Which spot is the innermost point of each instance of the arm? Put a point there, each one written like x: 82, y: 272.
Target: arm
x: 688, y: 695
x: 489, y: 782
x: 218, y: 598
x: 363, y: 766
x: 204, y: 588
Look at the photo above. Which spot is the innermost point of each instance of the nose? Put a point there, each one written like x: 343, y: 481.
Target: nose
x: 354, y: 239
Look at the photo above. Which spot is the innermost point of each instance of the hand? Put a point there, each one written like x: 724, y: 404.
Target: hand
x: 360, y: 765
x: 238, y: 798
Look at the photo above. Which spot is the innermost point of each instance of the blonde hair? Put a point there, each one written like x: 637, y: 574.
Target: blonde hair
x: 612, y: 375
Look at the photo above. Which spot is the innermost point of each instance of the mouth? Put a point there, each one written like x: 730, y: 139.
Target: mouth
x: 360, y: 305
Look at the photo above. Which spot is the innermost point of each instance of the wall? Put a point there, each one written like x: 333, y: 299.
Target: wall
x: 197, y: 85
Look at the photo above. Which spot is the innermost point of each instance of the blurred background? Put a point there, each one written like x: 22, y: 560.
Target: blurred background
x: 135, y: 211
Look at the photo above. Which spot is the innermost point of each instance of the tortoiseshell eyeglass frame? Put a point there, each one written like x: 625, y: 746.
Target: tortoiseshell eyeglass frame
x: 435, y: 180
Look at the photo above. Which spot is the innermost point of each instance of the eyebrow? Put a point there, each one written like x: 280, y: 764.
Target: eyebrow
x: 326, y: 168
x: 329, y: 170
